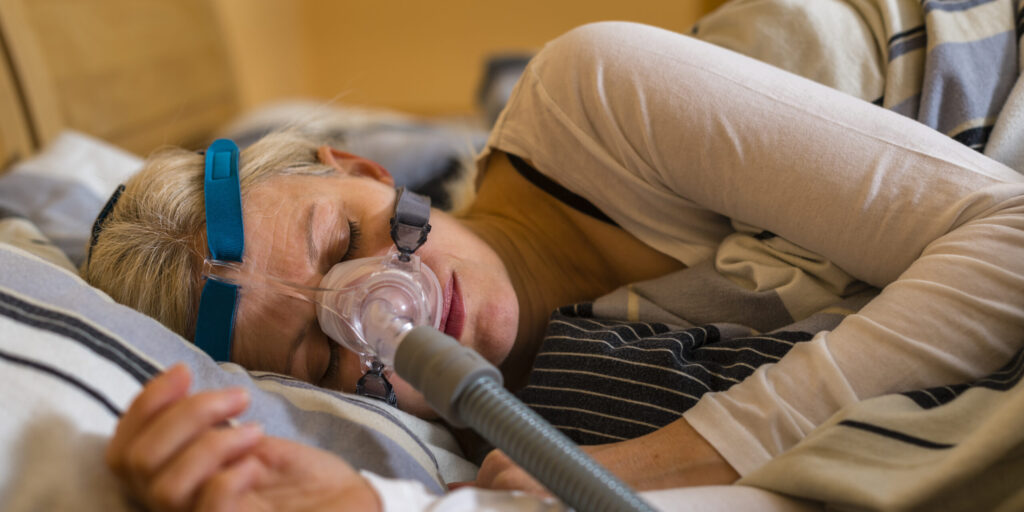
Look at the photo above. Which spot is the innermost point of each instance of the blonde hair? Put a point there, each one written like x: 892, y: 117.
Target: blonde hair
x: 150, y: 250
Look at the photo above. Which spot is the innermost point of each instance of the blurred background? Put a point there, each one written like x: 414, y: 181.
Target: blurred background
x: 88, y: 88
x: 412, y: 84
x: 424, y: 57
x: 142, y: 73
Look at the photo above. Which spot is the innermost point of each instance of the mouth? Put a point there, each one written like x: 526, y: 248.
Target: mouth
x: 453, y: 317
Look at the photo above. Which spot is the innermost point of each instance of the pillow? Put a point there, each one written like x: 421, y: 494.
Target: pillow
x: 71, y: 361
x: 62, y: 189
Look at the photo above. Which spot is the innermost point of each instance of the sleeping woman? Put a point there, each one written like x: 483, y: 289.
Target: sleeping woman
x: 626, y: 155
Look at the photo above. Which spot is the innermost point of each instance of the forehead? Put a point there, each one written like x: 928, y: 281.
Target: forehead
x: 277, y: 216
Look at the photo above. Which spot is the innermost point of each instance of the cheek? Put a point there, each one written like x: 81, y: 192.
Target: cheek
x: 492, y: 311
x: 410, y: 400
x: 496, y: 329
x: 351, y: 371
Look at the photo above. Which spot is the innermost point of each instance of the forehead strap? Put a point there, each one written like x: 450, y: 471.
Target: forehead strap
x: 224, y: 238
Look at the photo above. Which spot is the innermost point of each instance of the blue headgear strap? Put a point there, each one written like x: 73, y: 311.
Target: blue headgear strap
x: 224, y: 237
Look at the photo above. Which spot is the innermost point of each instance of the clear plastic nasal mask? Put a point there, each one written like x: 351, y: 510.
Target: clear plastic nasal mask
x: 366, y: 305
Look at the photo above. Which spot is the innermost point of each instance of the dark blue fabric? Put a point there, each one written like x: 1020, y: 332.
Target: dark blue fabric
x: 225, y: 238
x: 216, y: 319
x: 600, y: 380
x: 223, y: 202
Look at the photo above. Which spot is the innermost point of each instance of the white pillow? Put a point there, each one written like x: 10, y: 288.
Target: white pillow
x: 63, y: 188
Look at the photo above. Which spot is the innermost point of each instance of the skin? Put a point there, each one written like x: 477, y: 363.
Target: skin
x: 176, y: 452
x: 517, y: 254
x: 278, y: 333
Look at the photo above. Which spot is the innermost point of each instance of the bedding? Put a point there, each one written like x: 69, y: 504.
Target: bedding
x: 952, y: 65
x: 72, y: 361
x: 958, y: 447
x: 698, y: 330
x: 603, y: 120
x: 61, y: 189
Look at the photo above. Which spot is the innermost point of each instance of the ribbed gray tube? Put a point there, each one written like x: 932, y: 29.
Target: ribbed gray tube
x: 466, y: 389
x: 544, y: 452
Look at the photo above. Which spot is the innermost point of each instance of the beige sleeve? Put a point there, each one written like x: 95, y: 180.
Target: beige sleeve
x: 671, y: 137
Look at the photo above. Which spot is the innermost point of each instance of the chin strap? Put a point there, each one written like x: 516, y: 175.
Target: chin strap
x: 374, y: 384
x: 410, y: 223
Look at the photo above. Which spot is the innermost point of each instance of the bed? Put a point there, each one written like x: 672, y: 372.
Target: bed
x: 82, y: 98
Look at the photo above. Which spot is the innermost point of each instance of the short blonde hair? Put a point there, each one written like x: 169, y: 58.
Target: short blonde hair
x: 149, y: 252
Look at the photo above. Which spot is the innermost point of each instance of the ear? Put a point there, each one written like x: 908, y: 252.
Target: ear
x: 347, y: 163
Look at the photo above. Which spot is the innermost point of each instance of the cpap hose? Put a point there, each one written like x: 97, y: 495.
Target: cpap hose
x: 467, y: 390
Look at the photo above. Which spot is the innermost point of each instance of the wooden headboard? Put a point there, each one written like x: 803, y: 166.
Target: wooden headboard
x: 15, y: 135
x: 136, y: 73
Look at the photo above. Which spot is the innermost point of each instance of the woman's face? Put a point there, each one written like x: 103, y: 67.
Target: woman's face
x: 297, y: 227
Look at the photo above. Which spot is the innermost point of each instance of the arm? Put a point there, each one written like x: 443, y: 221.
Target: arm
x: 698, y: 135
x: 673, y: 456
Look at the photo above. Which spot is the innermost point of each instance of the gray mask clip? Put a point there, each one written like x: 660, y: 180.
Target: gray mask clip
x: 410, y: 225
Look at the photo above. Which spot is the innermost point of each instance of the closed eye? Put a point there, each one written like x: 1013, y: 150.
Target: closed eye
x: 354, y: 235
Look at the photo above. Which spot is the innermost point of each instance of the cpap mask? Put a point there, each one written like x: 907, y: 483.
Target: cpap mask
x: 366, y: 305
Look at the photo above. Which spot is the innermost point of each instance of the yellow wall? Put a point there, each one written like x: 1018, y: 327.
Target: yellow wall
x: 423, y: 56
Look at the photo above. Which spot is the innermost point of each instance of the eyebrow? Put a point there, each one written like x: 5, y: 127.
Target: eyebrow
x: 310, y: 244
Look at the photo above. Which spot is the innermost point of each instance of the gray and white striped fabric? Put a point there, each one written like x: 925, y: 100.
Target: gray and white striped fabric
x: 71, y: 360
x: 638, y: 358
x: 949, y: 448
x: 950, y: 64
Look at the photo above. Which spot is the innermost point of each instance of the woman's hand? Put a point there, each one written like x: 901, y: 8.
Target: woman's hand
x: 177, y: 452
x: 673, y: 456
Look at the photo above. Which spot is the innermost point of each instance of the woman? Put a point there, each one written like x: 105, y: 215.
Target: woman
x: 675, y: 142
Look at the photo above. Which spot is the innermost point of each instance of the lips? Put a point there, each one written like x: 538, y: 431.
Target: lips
x: 453, y: 317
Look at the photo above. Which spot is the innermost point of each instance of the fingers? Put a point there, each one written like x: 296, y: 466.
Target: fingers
x: 458, y: 485
x: 175, y: 427
x: 175, y: 486
x: 168, y: 443
x: 226, y: 490
x: 500, y: 473
x: 494, y: 463
x: 160, y: 392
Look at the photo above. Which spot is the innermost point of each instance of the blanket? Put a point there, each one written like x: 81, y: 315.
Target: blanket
x: 950, y: 64
x: 638, y: 358
x: 955, y: 447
